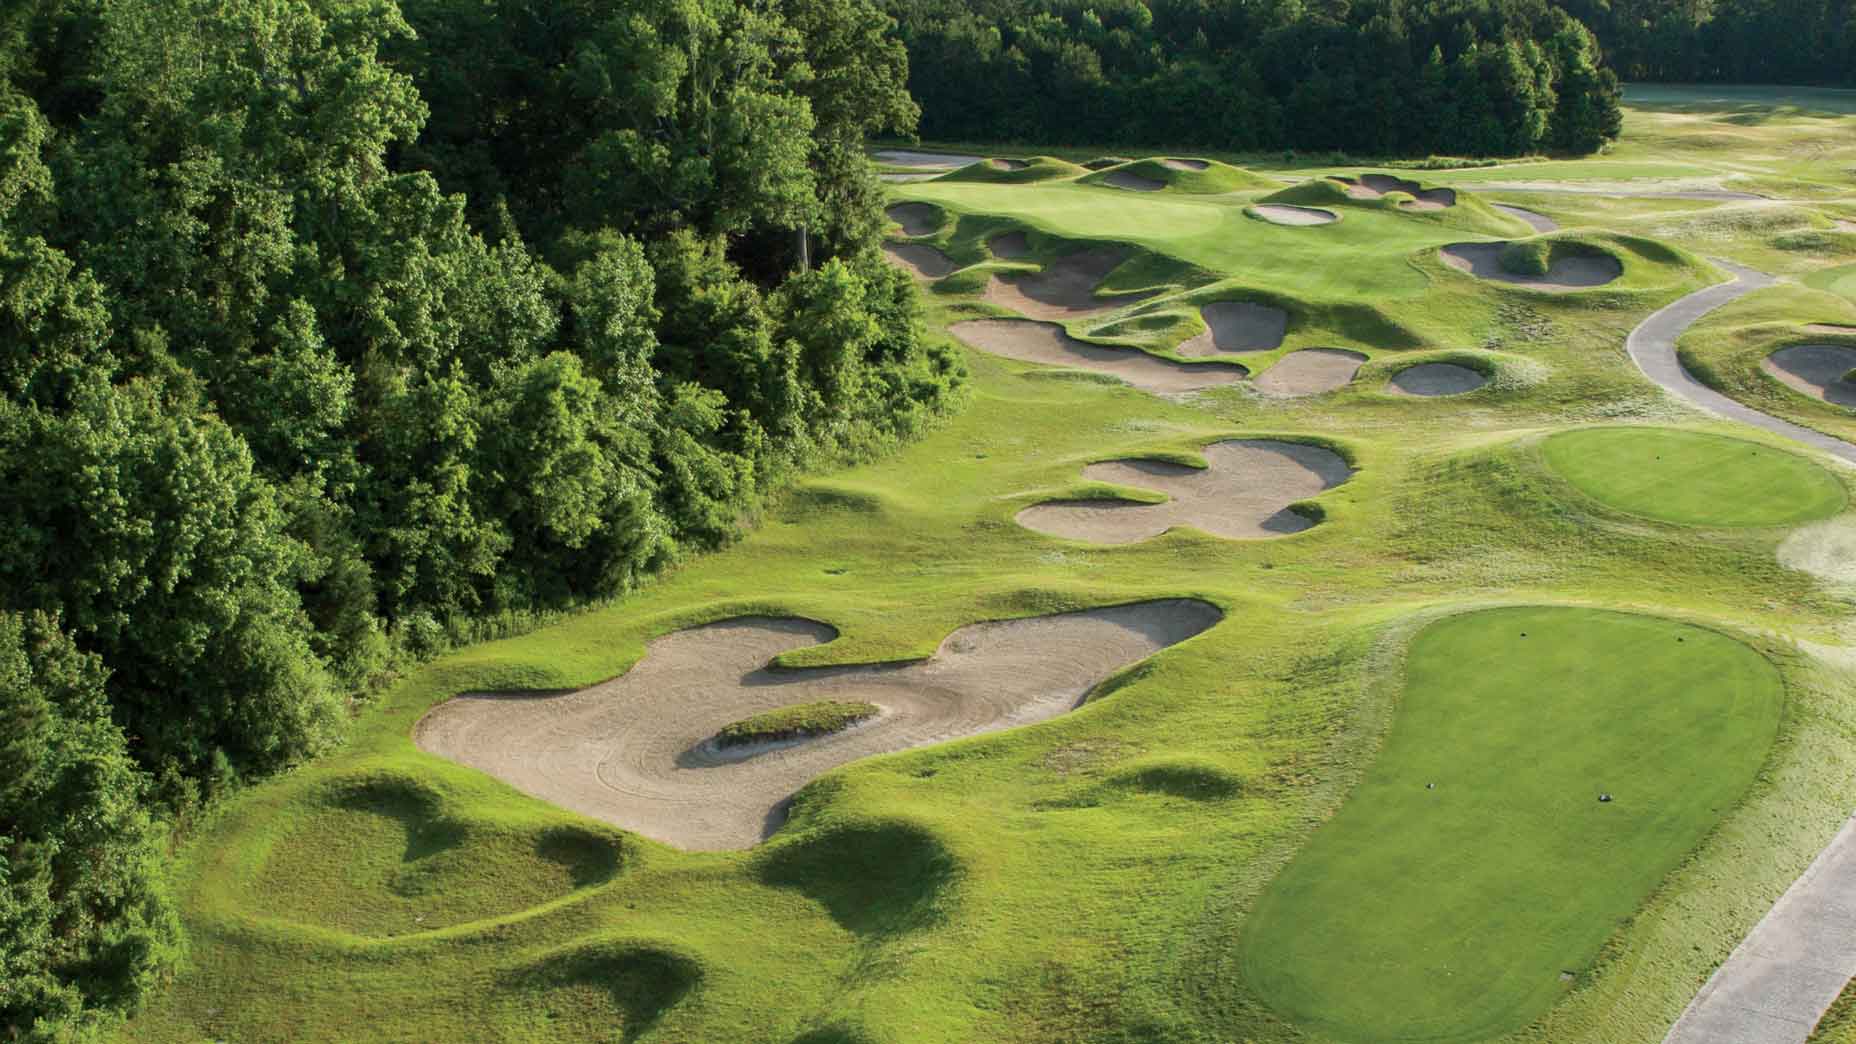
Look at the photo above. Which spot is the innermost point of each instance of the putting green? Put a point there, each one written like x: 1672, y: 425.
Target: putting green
x: 1694, y: 478
x: 1450, y: 914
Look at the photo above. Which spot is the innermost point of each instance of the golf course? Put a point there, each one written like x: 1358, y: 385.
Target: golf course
x: 1318, y: 619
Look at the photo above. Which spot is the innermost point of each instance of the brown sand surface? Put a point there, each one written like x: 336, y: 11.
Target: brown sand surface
x: 916, y: 219
x: 1007, y: 164
x: 919, y: 259
x: 1185, y: 164
x: 1426, y: 380
x: 925, y: 160
x: 1484, y: 261
x: 1831, y: 328
x: 1009, y: 245
x: 1122, y: 179
x: 1047, y: 343
x: 639, y: 751
x: 1816, y: 370
x: 1375, y: 186
x: 1063, y: 289
x: 1538, y: 222
x: 1237, y: 326
x: 1287, y: 214
x: 1244, y: 492
x: 1310, y: 371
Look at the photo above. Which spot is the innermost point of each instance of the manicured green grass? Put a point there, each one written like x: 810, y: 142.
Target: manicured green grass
x: 1840, y: 280
x: 798, y: 721
x: 1475, y: 864
x: 1692, y: 478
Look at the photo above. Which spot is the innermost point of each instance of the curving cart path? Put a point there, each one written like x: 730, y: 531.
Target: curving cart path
x: 1782, y: 977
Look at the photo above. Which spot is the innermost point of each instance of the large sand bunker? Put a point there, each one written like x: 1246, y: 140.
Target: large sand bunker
x: 1009, y: 245
x: 919, y: 259
x: 1245, y: 491
x: 1310, y: 371
x: 1375, y: 186
x: 1565, y: 274
x: 1123, y: 179
x: 1818, y: 370
x: 1288, y: 214
x: 924, y: 160
x: 1428, y: 380
x: 1238, y: 326
x: 1185, y: 164
x: 916, y: 219
x: 639, y: 751
x: 1063, y: 289
x: 1047, y: 343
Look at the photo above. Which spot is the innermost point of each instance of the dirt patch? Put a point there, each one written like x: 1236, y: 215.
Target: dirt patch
x: 1310, y: 371
x: 1427, y: 380
x: 1566, y: 274
x: 1285, y: 214
x: 1537, y: 222
x: 919, y: 259
x: 1376, y: 186
x: 1063, y: 289
x: 1244, y: 492
x: 924, y: 160
x: 1238, y: 326
x: 916, y: 219
x: 1816, y: 370
x: 1047, y: 343
x: 1009, y: 245
x: 1122, y: 179
x: 1185, y: 164
x: 639, y: 752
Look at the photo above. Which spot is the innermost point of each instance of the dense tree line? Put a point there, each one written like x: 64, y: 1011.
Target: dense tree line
x: 325, y: 324
x: 1726, y: 41
x: 1459, y: 77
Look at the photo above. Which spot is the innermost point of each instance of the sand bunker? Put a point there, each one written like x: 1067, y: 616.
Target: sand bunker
x: 1245, y: 491
x: 924, y: 160
x: 1105, y: 162
x: 1310, y: 371
x: 1122, y: 179
x: 1816, y: 370
x: 1376, y: 186
x: 1238, y: 326
x: 1846, y: 225
x: 639, y: 751
x: 1565, y: 274
x: 1009, y: 245
x: 916, y: 219
x: 1007, y: 164
x: 1185, y: 164
x: 1285, y: 214
x: 1047, y: 343
x: 1538, y: 222
x: 1063, y: 289
x: 1427, y: 380
x: 919, y: 259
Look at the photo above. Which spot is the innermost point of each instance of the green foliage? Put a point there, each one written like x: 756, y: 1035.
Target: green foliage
x: 796, y: 722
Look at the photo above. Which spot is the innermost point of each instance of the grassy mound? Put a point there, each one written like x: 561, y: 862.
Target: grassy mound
x: 1693, y: 478
x: 1217, y: 178
x: 1475, y: 865
x: 1194, y: 778
x: 872, y: 877
x: 1035, y: 168
x: 799, y: 721
x: 1469, y: 213
x: 587, y: 992
x: 380, y: 855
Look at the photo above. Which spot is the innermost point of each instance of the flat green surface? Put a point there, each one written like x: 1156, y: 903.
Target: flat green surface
x: 1449, y: 914
x: 1840, y: 280
x: 1694, y: 478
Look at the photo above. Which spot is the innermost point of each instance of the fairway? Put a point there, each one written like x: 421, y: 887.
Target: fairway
x: 1475, y: 864
x: 1693, y: 478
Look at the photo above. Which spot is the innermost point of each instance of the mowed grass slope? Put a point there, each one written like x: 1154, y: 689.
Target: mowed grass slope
x: 1476, y: 864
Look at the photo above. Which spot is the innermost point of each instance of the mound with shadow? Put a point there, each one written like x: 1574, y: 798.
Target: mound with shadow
x: 1015, y: 171
x: 1190, y: 176
x: 873, y: 877
x: 588, y: 991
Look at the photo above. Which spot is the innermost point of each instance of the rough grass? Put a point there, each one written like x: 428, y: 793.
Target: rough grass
x: 800, y: 721
x: 1694, y: 478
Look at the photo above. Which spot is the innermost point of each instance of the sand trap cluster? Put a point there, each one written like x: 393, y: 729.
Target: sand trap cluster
x: 1310, y: 371
x: 1376, y: 186
x: 1817, y: 370
x: 1123, y: 179
x: 1538, y: 222
x: 1065, y: 288
x: 1287, y: 214
x: 1238, y: 326
x: 1009, y: 245
x: 1047, y: 343
x: 919, y: 259
x: 1244, y: 492
x: 639, y: 751
x: 916, y: 219
x: 1429, y: 380
x: 1565, y: 274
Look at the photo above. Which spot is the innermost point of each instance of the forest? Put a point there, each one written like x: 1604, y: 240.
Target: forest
x: 1380, y: 77
x: 333, y: 332
x: 1729, y: 41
